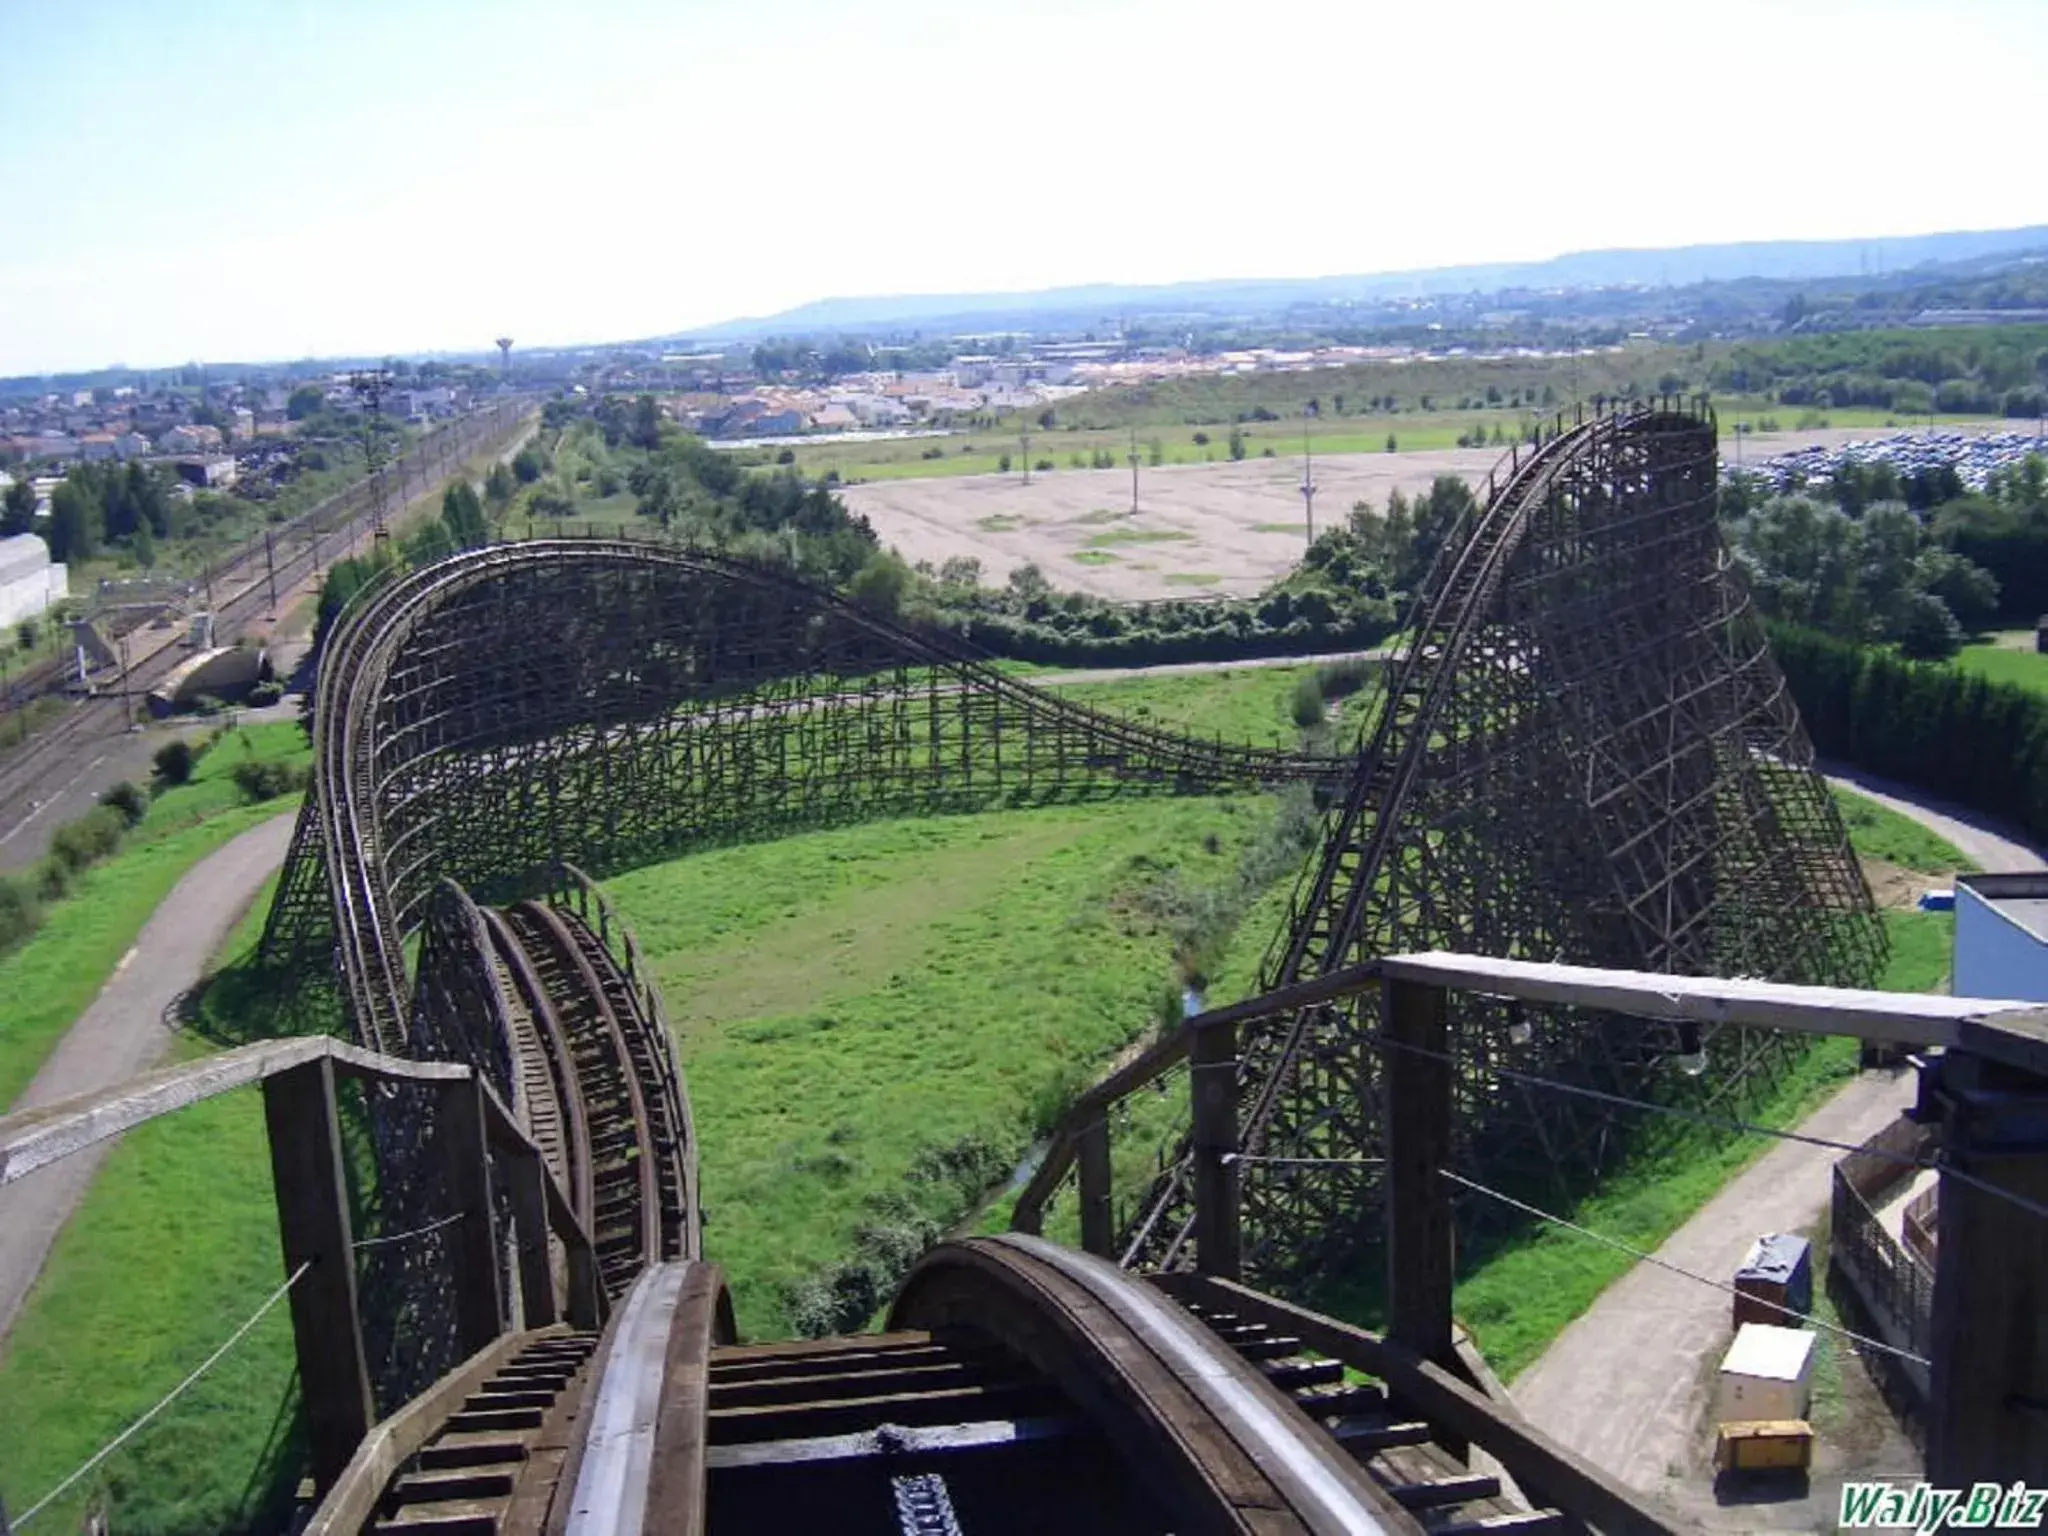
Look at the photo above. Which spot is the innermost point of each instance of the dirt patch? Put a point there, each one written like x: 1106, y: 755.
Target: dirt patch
x: 1896, y: 888
x: 1242, y: 519
x: 1223, y: 528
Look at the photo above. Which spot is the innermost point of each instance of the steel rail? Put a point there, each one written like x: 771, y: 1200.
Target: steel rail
x: 1222, y: 1447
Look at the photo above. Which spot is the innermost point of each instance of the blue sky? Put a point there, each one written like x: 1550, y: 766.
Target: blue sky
x: 212, y: 179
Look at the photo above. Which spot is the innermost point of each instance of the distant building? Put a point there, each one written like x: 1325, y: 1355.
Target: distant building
x: 834, y: 418
x: 190, y: 439
x: 51, y: 445
x: 211, y: 472
x: 29, y: 581
x: 245, y: 423
x: 2002, y: 936
x: 131, y: 445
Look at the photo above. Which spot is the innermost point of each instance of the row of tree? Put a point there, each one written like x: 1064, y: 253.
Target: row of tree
x: 1949, y: 732
x: 1871, y: 556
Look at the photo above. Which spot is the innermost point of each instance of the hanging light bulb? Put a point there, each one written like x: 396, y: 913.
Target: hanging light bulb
x: 1692, y: 1052
x: 1520, y: 1030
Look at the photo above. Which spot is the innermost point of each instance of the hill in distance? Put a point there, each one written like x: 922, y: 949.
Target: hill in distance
x: 1782, y: 259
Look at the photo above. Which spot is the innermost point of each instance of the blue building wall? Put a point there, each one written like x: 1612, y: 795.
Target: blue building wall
x: 1996, y: 955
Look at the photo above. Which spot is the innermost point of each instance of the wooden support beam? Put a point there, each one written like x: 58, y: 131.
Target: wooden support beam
x: 1212, y: 1086
x: 1988, y: 1409
x: 525, y: 1180
x: 1418, y: 1090
x: 1097, y: 1234
x: 314, y: 1229
x: 466, y: 1187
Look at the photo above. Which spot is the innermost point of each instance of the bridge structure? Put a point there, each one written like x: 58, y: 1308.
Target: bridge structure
x: 1583, y: 772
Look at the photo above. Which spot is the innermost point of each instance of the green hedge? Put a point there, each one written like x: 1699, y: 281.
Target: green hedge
x: 1953, y: 734
x: 1002, y: 635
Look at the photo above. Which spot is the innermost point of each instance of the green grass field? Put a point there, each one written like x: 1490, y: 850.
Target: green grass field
x: 49, y: 981
x: 112, y: 1326
x: 1878, y: 832
x: 980, y: 451
x: 2007, y: 663
x: 1239, y: 704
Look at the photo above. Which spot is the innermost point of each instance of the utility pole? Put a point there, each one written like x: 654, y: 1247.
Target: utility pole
x: 127, y: 699
x: 1308, y: 483
x: 270, y: 569
x: 371, y: 385
x: 1025, y: 438
x: 1134, y: 471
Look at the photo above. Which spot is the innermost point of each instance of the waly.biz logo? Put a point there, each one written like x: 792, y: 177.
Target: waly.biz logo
x: 1919, y: 1507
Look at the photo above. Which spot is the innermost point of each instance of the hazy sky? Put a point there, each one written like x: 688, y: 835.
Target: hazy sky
x: 214, y: 179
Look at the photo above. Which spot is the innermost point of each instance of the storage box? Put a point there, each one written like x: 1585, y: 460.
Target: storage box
x: 1766, y: 1445
x: 1766, y: 1374
x: 1779, y: 1269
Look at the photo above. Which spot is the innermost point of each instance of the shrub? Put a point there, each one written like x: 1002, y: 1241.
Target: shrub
x: 84, y: 842
x: 173, y: 762
x: 131, y: 800
x: 269, y: 691
x: 1307, y: 704
x: 20, y: 912
x: 1201, y: 439
x: 53, y: 881
x: 260, y: 781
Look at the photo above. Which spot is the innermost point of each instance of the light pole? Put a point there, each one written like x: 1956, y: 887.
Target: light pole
x: 1308, y: 483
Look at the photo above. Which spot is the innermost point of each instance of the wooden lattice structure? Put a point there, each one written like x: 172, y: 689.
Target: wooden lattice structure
x: 1585, y: 754
x: 607, y: 703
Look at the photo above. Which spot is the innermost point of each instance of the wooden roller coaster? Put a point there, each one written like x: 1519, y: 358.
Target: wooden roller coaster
x: 517, y: 1329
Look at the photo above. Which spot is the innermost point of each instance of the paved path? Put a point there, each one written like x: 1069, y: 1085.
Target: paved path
x: 123, y: 1033
x: 1626, y: 1384
x: 1995, y: 848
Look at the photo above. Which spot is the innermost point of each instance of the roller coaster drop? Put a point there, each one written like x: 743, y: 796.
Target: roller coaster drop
x: 1584, y: 754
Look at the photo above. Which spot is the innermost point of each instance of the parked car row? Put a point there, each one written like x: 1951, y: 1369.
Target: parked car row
x: 1973, y: 455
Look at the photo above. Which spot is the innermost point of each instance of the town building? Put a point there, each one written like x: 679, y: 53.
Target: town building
x: 29, y: 580
x: 213, y: 472
x: 190, y: 439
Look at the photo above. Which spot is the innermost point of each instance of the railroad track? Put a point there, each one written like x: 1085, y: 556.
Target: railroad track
x: 322, y: 534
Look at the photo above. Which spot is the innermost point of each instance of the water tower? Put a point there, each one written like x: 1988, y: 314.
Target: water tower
x: 504, y: 359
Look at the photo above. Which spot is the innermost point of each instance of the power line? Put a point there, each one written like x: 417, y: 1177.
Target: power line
x: 165, y: 1401
x: 1722, y: 1122
x: 400, y: 1237
x: 1651, y: 1258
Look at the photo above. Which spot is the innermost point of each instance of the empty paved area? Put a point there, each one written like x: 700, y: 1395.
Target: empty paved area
x: 1627, y: 1384
x: 124, y: 1032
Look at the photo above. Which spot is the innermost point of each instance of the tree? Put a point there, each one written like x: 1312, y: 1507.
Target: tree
x: 879, y: 585
x: 527, y: 466
x: 463, y: 513
x: 1236, y: 443
x: 499, y: 488
x: 1048, y: 419
x: 18, y: 508
x: 75, y: 528
x: 646, y: 431
x: 305, y: 401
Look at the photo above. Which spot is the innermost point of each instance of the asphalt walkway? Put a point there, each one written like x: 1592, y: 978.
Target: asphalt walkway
x: 124, y: 1032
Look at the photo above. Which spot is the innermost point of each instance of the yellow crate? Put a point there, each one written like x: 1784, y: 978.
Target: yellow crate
x: 1764, y: 1445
